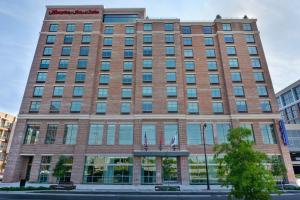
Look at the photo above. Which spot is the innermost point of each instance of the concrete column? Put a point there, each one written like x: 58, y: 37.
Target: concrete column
x: 158, y: 170
x: 137, y: 170
x: 184, y: 168
x: 35, y: 169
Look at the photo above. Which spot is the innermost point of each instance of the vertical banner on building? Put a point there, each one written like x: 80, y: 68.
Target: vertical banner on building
x: 283, y: 132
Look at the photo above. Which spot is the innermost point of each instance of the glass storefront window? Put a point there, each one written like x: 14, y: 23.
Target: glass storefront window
x: 148, y: 172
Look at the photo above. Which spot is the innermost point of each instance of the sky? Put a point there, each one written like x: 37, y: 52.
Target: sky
x: 21, y: 21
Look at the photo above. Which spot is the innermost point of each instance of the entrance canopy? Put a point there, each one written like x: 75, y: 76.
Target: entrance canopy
x: 161, y: 153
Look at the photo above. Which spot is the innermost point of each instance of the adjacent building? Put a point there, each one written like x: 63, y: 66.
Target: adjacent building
x: 288, y: 100
x: 124, y: 97
x: 7, y: 122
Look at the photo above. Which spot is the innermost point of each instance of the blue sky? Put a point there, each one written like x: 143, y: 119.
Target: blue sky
x: 21, y: 20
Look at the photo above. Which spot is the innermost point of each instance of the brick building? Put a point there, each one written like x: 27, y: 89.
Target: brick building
x: 104, y: 81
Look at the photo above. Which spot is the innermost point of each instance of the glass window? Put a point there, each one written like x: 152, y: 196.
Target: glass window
x: 126, y: 93
x: 125, y: 108
x: 209, y: 134
x: 258, y: 76
x: 87, y: 27
x: 102, y: 93
x: 287, y: 98
x: 208, y: 41
x: 190, y: 78
x: 79, y: 77
x: 265, y: 106
x: 129, y: 41
x: 107, y: 41
x: 61, y: 77
x: 38, y: 91
x: 147, y: 77
x: 41, y: 77
x: 252, y: 51
x: 194, y: 134
x: 147, y: 51
x: 186, y: 30
x: 104, y: 79
x: 268, y: 133
x: 127, y: 66
x: 147, y: 38
x: 248, y: 126
x: 47, y: 51
x: 236, y: 77
x: 147, y: 91
x: 70, y: 134
x: 128, y: 53
x: 51, y: 39
x: 230, y: 50
x: 169, y: 27
x: 169, y: 38
x: 217, y: 107
x: 58, y: 91
x: 63, y: 64
x: 241, y: 106
x: 149, y: 132
x: 108, y: 30
x: 101, y: 108
x: 44, y: 64
x: 147, y: 64
x: 147, y: 106
x: 212, y: 65
x: 189, y: 65
x: 249, y: 38
x: 297, y: 92
x: 126, y: 134
x: 78, y: 91
x: 226, y: 27
x: 210, y: 53
x: 222, y: 132
x: 172, y: 106
x: 66, y: 51
x: 255, y: 63
x: 111, y: 129
x: 216, y: 93
x: 170, y: 63
x: 68, y: 39
x: 105, y: 66
x: 127, y: 79
x: 75, y: 106
x: 82, y: 63
x: 53, y: 27
x: 233, y: 63
x: 213, y: 78
x: 95, y: 134
x: 191, y: 93
x: 129, y: 30
x: 262, y: 90
x: 71, y: 27
x: 171, y: 76
x: 238, y: 91
x: 247, y: 27
x: 34, y: 106
x: 170, y: 51
x: 187, y: 41
x: 84, y: 51
x: 188, y: 53
x: 55, y: 106
x: 51, y: 133
x: 192, y: 108
x: 32, y: 134
x: 147, y: 27
x: 106, y: 53
x: 207, y: 30
x: 172, y: 91
x: 170, y: 134
x: 228, y: 38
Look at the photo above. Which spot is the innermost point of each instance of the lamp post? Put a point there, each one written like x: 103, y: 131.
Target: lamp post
x: 206, y: 167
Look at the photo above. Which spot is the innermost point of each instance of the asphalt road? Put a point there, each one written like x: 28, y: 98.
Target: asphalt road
x: 45, y: 196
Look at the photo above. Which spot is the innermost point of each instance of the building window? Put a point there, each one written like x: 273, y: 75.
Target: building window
x: 213, y: 78
x: 41, y: 77
x: 217, y: 107
x: 172, y: 106
x: 147, y: 38
x: 147, y: 51
x: 191, y: 93
x: 66, y: 51
x: 252, y: 51
x: 208, y: 41
x: 226, y: 27
x: 68, y: 39
x: 38, y: 91
x: 70, y: 134
x: 127, y: 66
x: 106, y: 53
x: 128, y: 53
x: 249, y: 38
x: 129, y: 30
x: 194, y: 134
x: 255, y: 63
x: 189, y: 65
x: 170, y: 133
x: 95, y: 134
x: 207, y: 30
x: 187, y: 41
x: 58, y: 91
x: 50, y: 39
x: 55, y: 106
x: 110, y: 138
x: 84, y: 51
x: 63, y: 64
x: 105, y: 66
x: 71, y: 27
x: 258, y: 76
x: 61, y: 77
x: 147, y: 106
x: 104, y: 79
x: 190, y: 78
x: 236, y: 77
x: 147, y: 91
x: 230, y: 50
x: 212, y: 65
x: 44, y: 169
x: 238, y: 91
x: 51, y: 133
x: 188, y: 53
x: 79, y: 77
x: 108, y: 30
x: 149, y: 132
x: 87, y: 27
x: 170, y: 51
x: 171, y: 91
x: 86, y: 39
x: 78, y: 91
x: 247, y: 27
x: 228, y: 38
x: 32, y: 134
x: 147, y: 27
x: 171, y: 77
x: 297, y: 92
x: 126, y: 93
x: 241, y: 106
x: 233, y: 63
x: 47, y: 51
x: 192, y: 108
x: 127, y: 79
x: 248, y: 126
x: 169, y: 38
x: 170, y: 63
x: 210, y: 53
x: 186, y: 30
x: 268, y: 133
x: 82, y: 63
x: 287, y: 98
x: 147, y: 77
x: 44, y: 64
x: 53, y: 27
x: 34, y: 106
x: 125, y: 108
x: 129, y: 41
x: 75, y: 107
x: 222, y: 132
x: 101, y: 108
x: 169, y: 27
x: 147, y: 64
x: 102, y: 93
x: 126, y: 134
x: 262, y: 90
x: 265, y: 106
x: 107, y: 41
x: 216, y: 93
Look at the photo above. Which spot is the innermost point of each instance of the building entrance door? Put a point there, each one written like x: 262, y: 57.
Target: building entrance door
x: 169, y: 170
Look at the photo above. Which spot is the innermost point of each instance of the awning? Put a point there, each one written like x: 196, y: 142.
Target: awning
x: 161, y: 153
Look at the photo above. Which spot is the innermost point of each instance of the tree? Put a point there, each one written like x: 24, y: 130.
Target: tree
x: 61, y: 169
x: 278, y: 168
x: 242, y: 168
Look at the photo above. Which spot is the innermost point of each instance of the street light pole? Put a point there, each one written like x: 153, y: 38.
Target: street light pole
x: 206, y: 167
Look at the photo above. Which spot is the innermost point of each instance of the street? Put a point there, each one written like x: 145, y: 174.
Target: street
x: 125, y: 196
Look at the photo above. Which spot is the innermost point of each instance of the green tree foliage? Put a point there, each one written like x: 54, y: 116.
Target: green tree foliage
x: 61, y: 169
x: 242, y: 168
x: 278, y: 168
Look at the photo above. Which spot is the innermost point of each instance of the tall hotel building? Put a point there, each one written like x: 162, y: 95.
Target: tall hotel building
x: 104, y: 80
